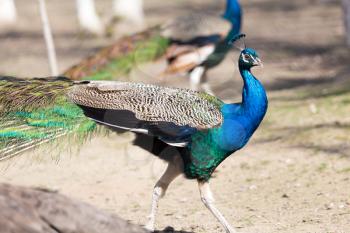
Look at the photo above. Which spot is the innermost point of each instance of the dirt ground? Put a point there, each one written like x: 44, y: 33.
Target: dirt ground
x: 293, y: 176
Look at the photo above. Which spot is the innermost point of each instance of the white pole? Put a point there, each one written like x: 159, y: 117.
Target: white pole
x: 51, y: 52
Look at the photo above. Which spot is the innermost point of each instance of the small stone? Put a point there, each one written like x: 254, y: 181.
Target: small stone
x: 183, y: 200
x: 329, y: 206
x: 253, y: 187
x: 285, y: 196
x: 313, y: 108
x: 289, y: 161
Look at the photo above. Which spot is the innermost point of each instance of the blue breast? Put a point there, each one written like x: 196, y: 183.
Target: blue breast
x: 241, y: 120
x: 235, y: 130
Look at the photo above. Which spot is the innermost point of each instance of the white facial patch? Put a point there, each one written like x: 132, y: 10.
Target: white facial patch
x: 245, y: 57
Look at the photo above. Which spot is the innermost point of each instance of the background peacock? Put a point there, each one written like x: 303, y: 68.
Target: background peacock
x: 191, y: 44
x: 193, y: 131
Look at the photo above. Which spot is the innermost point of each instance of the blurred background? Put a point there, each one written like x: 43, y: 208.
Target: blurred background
x: 292, y: 177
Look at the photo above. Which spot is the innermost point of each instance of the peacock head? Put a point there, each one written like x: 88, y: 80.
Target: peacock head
x: 249, y: 58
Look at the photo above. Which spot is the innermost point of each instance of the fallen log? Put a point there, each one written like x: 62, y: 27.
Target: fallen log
x: 29, y: 210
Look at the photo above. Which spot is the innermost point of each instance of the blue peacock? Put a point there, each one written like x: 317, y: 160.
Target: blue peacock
x: 193, y: 131
x: 191, y: 43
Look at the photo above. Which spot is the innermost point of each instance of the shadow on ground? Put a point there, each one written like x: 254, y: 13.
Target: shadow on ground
x: 170, y: 229
x: 339, y: 149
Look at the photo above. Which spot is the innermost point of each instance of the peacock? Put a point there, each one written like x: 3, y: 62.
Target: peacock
x: 193, y: 131
x: 191, y: 44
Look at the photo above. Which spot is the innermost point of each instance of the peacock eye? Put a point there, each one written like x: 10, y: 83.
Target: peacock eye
x: 246, y: 57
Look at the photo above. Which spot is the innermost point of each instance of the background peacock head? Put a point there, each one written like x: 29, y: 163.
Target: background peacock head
x: 249, y: 58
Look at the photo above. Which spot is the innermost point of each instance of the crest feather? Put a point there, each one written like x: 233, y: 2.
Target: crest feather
x: 236, y: 39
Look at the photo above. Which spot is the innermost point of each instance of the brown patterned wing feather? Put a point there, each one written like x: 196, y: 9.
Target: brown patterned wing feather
x: 151, y: 103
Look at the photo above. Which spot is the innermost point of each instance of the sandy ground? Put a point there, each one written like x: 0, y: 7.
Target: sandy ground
x: 294, y: 175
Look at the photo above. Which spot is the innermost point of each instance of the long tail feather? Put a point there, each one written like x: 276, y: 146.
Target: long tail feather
x: 120, y: 58
x: 35, y: 112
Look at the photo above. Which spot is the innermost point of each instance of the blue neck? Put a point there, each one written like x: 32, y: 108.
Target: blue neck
x: 254, y: 99
x: 241, y: 120
x: 233, y: 13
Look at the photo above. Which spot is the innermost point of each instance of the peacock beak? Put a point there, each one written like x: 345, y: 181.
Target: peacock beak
x: 258, y: 62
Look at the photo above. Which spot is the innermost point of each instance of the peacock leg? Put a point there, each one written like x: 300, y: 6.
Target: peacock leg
x: 174, y: 169
x: 208, y: 200
x: 196, y: 77
x: 88, y: 18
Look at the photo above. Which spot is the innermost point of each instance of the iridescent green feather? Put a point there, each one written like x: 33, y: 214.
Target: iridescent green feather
x: 36, y: 112
x: 145, y: 51
x: 117, y: 60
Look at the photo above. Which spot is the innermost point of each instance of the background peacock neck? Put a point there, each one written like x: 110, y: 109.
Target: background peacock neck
x: 233, y: 14
x: 254, y: 99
